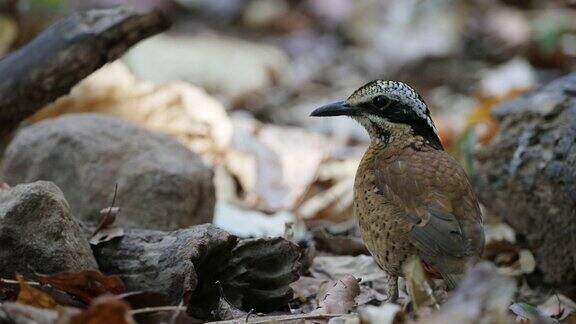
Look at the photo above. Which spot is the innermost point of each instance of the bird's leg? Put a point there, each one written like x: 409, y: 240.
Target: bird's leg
x: 392, y: 289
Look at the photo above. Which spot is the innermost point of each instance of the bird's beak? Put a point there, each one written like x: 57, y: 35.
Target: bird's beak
x: 339, y: 108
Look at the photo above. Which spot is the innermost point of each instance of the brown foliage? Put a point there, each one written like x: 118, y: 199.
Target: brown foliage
x: 85, y: 285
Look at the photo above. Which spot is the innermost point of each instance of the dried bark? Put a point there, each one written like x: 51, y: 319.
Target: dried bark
x: 527, y: 175
x: 192, y: 264
x: 50, y: 65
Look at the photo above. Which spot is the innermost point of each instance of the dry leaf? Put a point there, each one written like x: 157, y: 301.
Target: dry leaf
x: 273, y: 164
x: 558, y: 307
x: 306, y: 287
x: 178, y: 109
x: 106, y: 235
x: 333, y: 203
x: 509, y: 259
x: 529, y: 313
x: 104, y: 232
x: 483, y: 296
x: 17, y: 313
x: 361, y: 266
x: 499, y: 232
x: 105, y: 310
x: 85, y: 285
x: 338, y: 244
x: 340, y: 298
x: 226, y: 311
x: 250, y: 223
x: 386, y: 314
x: 107, y: 218
x: 34, y: 297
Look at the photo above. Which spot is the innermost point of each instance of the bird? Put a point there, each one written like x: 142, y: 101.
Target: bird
x: 411, y: 197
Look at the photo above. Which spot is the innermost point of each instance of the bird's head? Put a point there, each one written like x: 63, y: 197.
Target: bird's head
x: 385, y: 109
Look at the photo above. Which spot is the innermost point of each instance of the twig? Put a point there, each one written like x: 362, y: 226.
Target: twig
x: 157, y: 309
x: 175, y: 315
x: 14, y: 282
x: 104, y: 220
x: 248, y: 315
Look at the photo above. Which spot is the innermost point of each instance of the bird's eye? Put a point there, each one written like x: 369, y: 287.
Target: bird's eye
x: 380, y: 101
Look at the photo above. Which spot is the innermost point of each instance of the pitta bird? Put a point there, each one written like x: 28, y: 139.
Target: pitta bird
x: 410, y: 196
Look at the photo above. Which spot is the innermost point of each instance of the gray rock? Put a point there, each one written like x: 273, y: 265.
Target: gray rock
x: 38, y: 234
x: 527, y: 175
x: 161, y: 184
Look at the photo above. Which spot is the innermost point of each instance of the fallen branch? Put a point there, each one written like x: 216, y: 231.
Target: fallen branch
x: 50, y: 65
x: 187, y: 263
x: 157, y: 309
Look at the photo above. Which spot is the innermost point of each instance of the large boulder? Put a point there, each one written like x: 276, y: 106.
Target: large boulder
x: 527, y: 175
x: 38, y: 233
x: 161, y: 184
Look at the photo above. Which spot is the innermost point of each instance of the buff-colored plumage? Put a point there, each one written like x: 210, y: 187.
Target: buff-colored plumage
x: 410, y: 196
x: 400, y: 193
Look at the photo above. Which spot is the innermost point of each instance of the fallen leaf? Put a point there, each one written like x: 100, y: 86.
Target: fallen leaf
x: 509, y: 259
x: 34, y: 297
x: 499, y: 232
x: 386, y: 314
x: 306, y: 287
x: 530, y: 313
x: 178, y: 109
x: 225, y: 311
x: 106, y: 235
x: 12, y: 312
x: 274, y: 165
x: 105, y: 310
x: 338, y: 244
x: 368, y: 295
x: 483, y: 296
x: 330, y: 197
x: 361, y: 266
x: 85, y: 285
x: 340, y: 298
x: 108, y: 216
x: 558, y: 307
x: 244, y: 222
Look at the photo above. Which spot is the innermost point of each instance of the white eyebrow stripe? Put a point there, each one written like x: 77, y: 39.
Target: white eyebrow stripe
x: 404, y: 93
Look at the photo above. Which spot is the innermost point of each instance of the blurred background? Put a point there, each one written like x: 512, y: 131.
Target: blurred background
x: 235, y: 81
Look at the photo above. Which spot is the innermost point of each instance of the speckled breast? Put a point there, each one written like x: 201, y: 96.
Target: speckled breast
x: 383, y: 227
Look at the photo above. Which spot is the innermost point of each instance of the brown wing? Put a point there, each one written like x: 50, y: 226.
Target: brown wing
x: 432, y: 191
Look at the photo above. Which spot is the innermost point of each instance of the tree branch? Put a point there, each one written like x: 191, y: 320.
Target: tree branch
x: 50, y: 65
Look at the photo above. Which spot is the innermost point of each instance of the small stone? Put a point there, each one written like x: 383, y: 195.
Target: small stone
x: 38, y: 233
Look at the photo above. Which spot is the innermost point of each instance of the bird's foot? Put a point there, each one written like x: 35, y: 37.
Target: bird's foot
x: 392, y: 289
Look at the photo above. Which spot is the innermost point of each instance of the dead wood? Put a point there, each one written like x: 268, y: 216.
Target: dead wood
x: 50, y: 65
x: 190, y: 264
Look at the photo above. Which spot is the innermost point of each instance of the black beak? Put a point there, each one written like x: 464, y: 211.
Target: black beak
x: 340, y: 108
